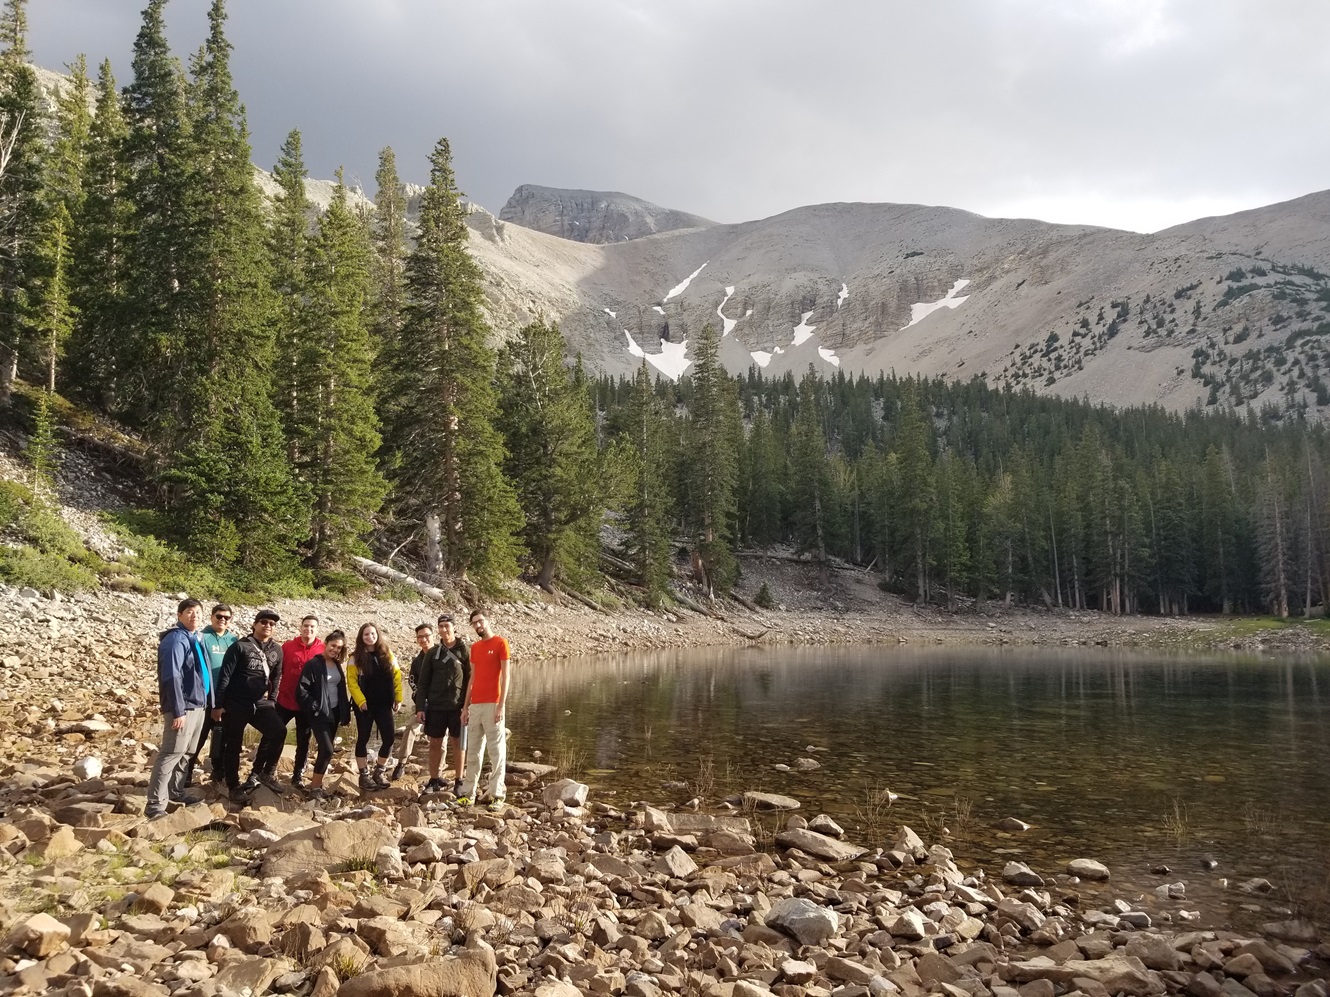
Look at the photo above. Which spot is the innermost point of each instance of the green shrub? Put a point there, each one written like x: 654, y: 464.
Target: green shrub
x: 44, y: 571
x: 763, y: 597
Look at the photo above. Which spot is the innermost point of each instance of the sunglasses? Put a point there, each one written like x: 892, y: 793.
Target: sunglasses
x: 220, y: 616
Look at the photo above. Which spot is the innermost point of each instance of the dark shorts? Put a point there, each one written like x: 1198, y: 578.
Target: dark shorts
x: 440, y: 722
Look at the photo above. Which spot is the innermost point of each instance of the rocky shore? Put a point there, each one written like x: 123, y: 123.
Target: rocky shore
x: 555, y: 895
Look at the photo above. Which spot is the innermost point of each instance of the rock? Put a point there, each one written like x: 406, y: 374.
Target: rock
x: 156, y: 899
x: 676, y: 863
x: 180, y: 822
x: 40, y: 935
x: 470, y: 973
x: 61, y: 844
x: 388, y: 863
x: 934, y: 969
x: 1257, y: 885
x: 769, y: 801
x: 1292, y: 931
x: 907, y: 841
x: 1088, y: 869
x: 1155, y: 951
x: 1027, y: 915
x: 327, y: 846
x: 1118, y: 973
x: 797, y: 972
x: 849, y: 971
x: 820, y: 845
x: 89, y: 767
x: 808, y: 923
x: 1243, y: 965
x: 806, y: 764
x: 1012, y: 824
x: 248, y: 928
x: 1020, y: 874
x: 823, y: 824
x: 252, y: 975
x: 910, y: 924
x: 565, y: 793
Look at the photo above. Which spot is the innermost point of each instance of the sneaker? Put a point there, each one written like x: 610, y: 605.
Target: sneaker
x: 366, y: 782
x: 241, y: 792
x: 434, y: 786
x: 497, y: 805
x: 250, y: 784
x: 298, y: 782
x: 464, y: 801
x: 398, y: 769
x: 379, y: 781
x: 156, y: 816
x: 187, y: 799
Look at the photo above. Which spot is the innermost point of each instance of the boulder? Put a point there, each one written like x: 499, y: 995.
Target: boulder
x: 1020, y: 874
x: 180, y: 822
x: 1088, y: 869
x: 821, y: 845
x: 1155, y: 951
x: 808, y: 923
x: 39, y: 936
x: 87, y: 768
x: 470, y: 973
x: 676, y: 864
x: 565, y: 793
x: 768, y: 801
x: 328, y: 846
x: 1118, y: 973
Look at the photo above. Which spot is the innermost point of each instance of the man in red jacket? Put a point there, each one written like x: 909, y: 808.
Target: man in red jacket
x: 295, y: 652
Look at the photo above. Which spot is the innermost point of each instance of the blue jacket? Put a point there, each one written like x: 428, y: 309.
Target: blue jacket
x: 184, y: 681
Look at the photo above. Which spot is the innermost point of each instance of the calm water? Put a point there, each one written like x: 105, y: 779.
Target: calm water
x: 1136, y: 760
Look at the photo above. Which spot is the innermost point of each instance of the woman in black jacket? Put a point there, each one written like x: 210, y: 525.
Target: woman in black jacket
x: 322, y: 696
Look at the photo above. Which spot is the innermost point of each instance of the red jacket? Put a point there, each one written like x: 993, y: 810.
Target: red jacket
x: 295, y: 652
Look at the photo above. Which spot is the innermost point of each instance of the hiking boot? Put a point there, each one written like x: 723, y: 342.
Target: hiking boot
x: 298, y: 782
x: 398, y: 769
x: 269, y: 779
x: 367, y: 784
x: 433, y: 786
x: 379, y: 781
x: 317, y: 793
x: 250, y: 784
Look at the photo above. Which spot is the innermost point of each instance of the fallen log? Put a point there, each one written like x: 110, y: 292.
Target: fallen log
x: 589, y: 603
x: 378, y: 570
x: 696, y: 607
x: 744, y: 602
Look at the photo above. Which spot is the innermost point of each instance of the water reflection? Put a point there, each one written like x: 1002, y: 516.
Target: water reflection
x: 1138, y: 760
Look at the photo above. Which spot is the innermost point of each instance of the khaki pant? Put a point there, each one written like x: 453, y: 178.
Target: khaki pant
x: 484, y: 736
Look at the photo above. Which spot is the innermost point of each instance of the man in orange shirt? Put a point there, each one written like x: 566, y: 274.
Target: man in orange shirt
x: 482, y: 713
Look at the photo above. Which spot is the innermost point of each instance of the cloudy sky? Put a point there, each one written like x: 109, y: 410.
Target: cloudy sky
x: 1131, y: 113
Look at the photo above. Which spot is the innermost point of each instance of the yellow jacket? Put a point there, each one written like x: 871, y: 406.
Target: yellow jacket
x: 353, y: 681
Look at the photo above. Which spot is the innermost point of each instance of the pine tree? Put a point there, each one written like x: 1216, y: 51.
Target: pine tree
x: 296, y: 334
x: 1275, y: 538
x: 52, y: 313
x: 810, y: 482
x: 713, y: 438
x: 952, y: 526
x: 158, y: 362
x: 43, y: 448
x: 390, y: 247
x: 223, y: 433
x: 97, y: 343
x: 21, y: 208
x: 761, y: 483
x: 913, y: 505
x: 549, y: 432
x: 445, y: 455
x: 647, y: 515
x: 336, y: 407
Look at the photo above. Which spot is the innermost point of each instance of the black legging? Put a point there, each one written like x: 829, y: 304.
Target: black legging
x: 302, y: 734
x: 369, y: 718
x: 324, y: 732
x: 272, y: 735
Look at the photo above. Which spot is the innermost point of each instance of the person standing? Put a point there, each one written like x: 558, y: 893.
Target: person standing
x: 216, y: 639
x: 483, y: 713
x: 184, y: 690
x: 295, y: 653
x: 444, y: 675
x: 406, y: 743
x: 247, y: 697
x: 375, y: 684
x: 323, y: 700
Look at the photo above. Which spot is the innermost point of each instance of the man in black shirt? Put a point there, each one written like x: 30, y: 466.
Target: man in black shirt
x: 247, y: 697
x: 443, y: 676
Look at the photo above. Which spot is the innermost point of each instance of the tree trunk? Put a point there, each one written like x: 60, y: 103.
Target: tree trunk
x: 433, y: 552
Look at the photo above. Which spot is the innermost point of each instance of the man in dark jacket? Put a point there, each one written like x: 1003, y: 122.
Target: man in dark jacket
x: 443, y: 674
x: 247, y: 696
x: 184, y: 689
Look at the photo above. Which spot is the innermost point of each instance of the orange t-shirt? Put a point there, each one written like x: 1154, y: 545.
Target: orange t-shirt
x: 485, y: 657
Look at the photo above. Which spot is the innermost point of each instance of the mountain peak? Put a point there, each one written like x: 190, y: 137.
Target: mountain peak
x: 596, y: 216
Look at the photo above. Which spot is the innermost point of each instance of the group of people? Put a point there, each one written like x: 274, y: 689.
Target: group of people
x: 214, y: 684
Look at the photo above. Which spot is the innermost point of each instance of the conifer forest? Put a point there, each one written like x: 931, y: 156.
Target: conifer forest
x: 308, y: 387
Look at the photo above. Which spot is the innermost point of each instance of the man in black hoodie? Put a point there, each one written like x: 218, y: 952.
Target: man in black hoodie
x: 247, y: 696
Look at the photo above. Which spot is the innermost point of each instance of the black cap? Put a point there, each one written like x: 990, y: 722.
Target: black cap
x: 267, y: 614
x: 445, y: 617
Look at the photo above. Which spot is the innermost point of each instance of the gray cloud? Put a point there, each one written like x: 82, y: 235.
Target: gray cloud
x: 1134, y: 113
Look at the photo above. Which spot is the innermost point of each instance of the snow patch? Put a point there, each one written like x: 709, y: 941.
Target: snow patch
x: 803, y: 331
x: 678, y: 289
x: 610, y: 313
x: 918, y: 312
x: 659, y: 310
x: 671, y: 361
x: 730, y: 323
x: 844, y: 293
x: 761, y: 356
x: 829, y: 356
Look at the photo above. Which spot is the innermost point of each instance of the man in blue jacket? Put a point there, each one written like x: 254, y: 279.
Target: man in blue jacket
x: 184, y: 688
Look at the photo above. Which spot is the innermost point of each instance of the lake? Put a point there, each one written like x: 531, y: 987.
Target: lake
x: 1140, y: 761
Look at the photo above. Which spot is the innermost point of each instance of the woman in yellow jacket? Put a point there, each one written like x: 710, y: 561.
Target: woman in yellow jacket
x: 375, y: 684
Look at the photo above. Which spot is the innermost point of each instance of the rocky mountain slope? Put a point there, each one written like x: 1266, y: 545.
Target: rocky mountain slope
x: 592, y: 215
x: 1222, y: 310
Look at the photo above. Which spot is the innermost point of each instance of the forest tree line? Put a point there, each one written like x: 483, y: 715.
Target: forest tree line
x: 312, y: 386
